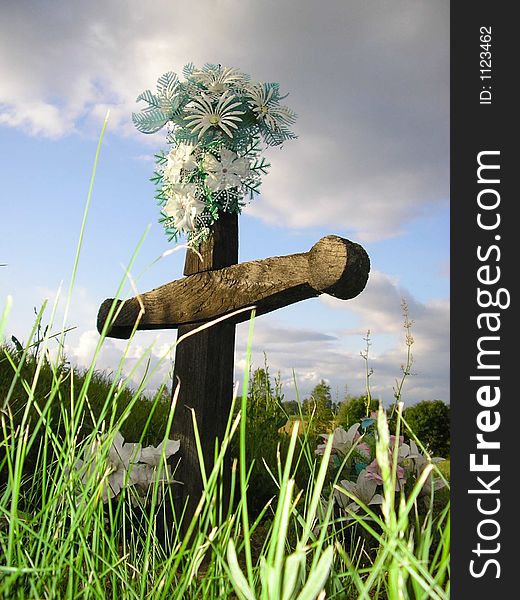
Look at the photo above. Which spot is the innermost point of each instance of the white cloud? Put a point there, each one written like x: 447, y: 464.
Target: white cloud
x: 38, y: 118
x: 371, y: 90
x: 145, y: 358
x: 314, y: 356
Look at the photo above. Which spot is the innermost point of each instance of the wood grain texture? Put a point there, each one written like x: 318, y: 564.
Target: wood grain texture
x: 204, y: 364
x: 334, y: 266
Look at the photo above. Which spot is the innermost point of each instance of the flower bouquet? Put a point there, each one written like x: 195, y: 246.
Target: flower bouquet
x: 128, y: 465
x: 217, y: 122
x: 360, y: 478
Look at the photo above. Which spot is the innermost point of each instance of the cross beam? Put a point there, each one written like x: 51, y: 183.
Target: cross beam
x: 334, y: 266
x: 215, y: 287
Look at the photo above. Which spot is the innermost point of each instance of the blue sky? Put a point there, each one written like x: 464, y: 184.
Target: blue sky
x: 370, y: 83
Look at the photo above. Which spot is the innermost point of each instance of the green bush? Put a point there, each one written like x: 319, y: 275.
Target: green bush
x: 71, y: 380
x: 430, y: 421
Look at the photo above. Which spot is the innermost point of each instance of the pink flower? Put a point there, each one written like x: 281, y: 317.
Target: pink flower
x: 342, y: 441
x: 419, y: 464
x: 364, y: 490
x: 364, y: 449
x: 373, y: 472
x: 392, y: 441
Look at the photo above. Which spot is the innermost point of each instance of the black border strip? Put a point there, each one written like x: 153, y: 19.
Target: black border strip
x: 483, y: 122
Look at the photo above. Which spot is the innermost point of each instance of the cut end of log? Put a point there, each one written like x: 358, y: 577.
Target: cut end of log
x: 338, y: 267
x: 123, y: 329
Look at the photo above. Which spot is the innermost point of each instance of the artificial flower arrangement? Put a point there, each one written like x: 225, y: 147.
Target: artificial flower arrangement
x: 354, y: 451
x: 128, y: 465
x: 217, y: 122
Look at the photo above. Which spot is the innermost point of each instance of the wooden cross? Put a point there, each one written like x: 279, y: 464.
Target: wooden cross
x: 217, y: 286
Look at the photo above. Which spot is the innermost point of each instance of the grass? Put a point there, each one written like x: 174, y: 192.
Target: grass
x: 58, y: 539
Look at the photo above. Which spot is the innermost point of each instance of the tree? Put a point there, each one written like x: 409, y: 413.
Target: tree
x: 318, y: 408
x: 353, y: 409
x: 264, y: 403
x: 291, y: 407
x: 430, y: 421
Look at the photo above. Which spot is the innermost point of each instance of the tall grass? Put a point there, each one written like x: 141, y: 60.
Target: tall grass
x: 59, y: 539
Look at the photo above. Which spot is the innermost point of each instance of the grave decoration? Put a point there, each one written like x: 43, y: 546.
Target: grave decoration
x: 217, y: 120
x: 128, y: 465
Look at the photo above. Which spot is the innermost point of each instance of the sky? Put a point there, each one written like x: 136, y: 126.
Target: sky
x: 369, y: 81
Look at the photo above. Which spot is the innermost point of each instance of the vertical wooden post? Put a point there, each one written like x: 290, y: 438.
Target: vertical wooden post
x: 204, y: 368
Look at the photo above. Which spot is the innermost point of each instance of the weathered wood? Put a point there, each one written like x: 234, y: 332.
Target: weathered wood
x: 204, y: 369
x: 214, y: 286
x: 334, y: 266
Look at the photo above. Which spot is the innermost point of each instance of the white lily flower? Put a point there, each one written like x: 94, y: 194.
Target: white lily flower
x: 152, y: 455
x: 183, y: 205
x: 128, y: 465
x: 143, y: 476
x: 343, y: 441
x: 364, y: 490
x: 146, y: 473
x: 419, y: 463
x: 373, y: 472
x: 120, y: 456
x: 179, y: 158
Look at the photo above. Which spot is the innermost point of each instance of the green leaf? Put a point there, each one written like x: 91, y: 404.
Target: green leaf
x: 183, y: 135
x: 269, y: 577
x: 188, y: 70
x: 238, y: 580
x: 291, y: 572
x: 318, y: 576
x: 261, y: 165
x: 17, y: 344
x: 161, y: 158
x: 149, y: 98
x: 167, y: 85
x: 149, y: 120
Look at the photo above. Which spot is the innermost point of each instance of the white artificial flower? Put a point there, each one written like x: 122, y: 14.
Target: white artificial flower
x: 179, y: 158
x: 403, y: 450
x: 147, y: 472
x: 204, y: 113
x: 219, y: 80
x: 128, y: 465
x: 373, y: 472
x: 120, y: 456
x: 267, y: 109
x: 343, y: 441
x: 226, y: 173
x: 364, y: 490
x: 152, y: 455
x: 183, y: 206
x: 142, y: 476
